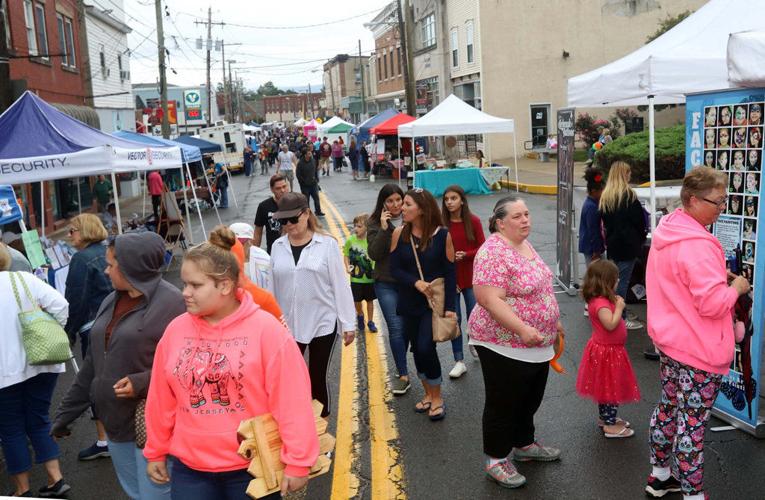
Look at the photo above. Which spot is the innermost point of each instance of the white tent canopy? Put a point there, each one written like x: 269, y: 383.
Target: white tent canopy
x: 455, y: 117
x: 301, y: 122
x: 746, y: 53
x: 335, y: 120
x: 689, y: 58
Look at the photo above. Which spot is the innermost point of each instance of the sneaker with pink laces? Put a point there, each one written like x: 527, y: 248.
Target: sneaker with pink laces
x: 536, y: 452
x: 505, y: 474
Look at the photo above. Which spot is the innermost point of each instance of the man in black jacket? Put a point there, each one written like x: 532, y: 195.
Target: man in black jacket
x: 306, y: 176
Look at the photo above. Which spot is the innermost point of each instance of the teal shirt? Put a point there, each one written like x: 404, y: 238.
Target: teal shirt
x: 356, y: 251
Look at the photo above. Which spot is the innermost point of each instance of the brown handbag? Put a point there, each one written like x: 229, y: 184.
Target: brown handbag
x: 445, y: 328
x: 140, y: 424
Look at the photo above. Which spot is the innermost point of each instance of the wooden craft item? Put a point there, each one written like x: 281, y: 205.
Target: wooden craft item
x: 261, y: 443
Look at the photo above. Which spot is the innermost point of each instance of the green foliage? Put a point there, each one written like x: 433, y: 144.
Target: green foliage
x: 633, y: 149
x: 586, y: 126
x: 667, y: 24
x: 269, y: 88
x: 580, y: 155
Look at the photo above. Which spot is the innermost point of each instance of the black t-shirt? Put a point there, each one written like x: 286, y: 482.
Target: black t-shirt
x: 297, y: 250
x: 264, y: 218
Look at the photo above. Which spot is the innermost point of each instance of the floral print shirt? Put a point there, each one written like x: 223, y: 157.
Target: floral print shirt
x: 529, y: 291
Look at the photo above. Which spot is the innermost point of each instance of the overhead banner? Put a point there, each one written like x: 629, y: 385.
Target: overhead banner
x: 131, y: 160
x: 10, y: 211
x: 58, y: 166
x: 565, y: 120
x: 724, y: 131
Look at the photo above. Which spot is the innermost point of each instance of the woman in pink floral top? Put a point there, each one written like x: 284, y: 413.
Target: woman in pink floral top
x: 513, y: 328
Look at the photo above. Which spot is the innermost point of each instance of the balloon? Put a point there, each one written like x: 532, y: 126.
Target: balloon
x: 598, y: 146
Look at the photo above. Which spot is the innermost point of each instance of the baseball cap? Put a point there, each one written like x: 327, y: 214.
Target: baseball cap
x: 242, y: 230
x: 290, y: 205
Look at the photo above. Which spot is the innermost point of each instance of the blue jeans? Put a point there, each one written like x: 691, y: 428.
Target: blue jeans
x: 625, y: 273
x: 24, y: 410
x: 130, y: 466
x: 190, y: 484
x: 469, y: 297
x: 387, y: 296
x: 312, y: 192
x: 223, y: 197
x: 419, y: 331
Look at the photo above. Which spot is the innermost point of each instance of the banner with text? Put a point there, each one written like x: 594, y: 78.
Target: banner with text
x: 724, y: 131
x: 58, y: 166
x: 565, y: 120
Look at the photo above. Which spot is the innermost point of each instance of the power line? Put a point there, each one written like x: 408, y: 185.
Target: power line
x: 239, y: 25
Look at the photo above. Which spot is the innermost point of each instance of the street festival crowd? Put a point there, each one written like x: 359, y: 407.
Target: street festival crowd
x: 169, y: 374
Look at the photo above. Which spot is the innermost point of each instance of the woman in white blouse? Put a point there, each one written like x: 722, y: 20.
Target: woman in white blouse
x: 312, y: 289
x: 25, y: 390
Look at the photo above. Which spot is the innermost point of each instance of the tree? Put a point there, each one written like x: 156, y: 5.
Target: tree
x: 667, y: 24
x: 269, y: 88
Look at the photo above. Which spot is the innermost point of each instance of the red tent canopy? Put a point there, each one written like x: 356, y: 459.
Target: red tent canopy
x: 390, y: 127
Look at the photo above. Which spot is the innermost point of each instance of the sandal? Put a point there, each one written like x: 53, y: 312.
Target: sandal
x: 618, y: 421
x: 624, y: 433
x: 422, y: 406
x: 438, y: 416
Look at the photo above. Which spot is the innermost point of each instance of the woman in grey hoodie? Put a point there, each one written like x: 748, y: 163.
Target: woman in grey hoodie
x: 116, y: 372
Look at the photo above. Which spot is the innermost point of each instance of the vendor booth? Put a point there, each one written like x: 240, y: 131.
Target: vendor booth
x: 362, y: 131
x: 335, y: 128
x: 205, y: 147
x: 455, y: 117
x: 386, y: 141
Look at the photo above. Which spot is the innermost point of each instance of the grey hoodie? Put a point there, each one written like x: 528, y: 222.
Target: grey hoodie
x: 134, y: 338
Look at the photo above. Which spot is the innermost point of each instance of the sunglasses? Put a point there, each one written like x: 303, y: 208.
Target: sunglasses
x: 290, y: 220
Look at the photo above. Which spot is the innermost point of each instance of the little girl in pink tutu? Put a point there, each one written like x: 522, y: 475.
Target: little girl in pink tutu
x: 605, y: 373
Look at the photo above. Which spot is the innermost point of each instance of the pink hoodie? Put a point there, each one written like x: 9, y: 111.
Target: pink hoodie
x: 207, y: 379
x: 689, y: 301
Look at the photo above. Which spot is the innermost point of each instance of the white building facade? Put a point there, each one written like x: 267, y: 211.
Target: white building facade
x: 110, y: 67
x: 464, y: 53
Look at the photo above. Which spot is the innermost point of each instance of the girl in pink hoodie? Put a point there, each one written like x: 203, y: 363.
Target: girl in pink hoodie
x: 223, y: 361
x: 690, y: 301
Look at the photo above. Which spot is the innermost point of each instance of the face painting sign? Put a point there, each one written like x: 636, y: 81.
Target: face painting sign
x: 724, y: 131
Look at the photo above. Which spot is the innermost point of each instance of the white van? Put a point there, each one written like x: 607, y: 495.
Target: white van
x: 231, y: 139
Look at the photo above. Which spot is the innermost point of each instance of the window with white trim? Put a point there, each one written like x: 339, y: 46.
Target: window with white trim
x: 4, y: 17
x: 469, y: 36
x: 65, y: 40
x: 428, y: 30
x: 455, y: 47
x: 69, y: 34
x: 29, y: 22
x: 102, y: 61
x: 42, y: 33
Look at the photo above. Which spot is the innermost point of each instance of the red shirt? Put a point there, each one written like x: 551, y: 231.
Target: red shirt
x: 461, y: 244
x: 155, y: 183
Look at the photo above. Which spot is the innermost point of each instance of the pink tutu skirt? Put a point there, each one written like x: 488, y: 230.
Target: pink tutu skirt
x: 606, y: 375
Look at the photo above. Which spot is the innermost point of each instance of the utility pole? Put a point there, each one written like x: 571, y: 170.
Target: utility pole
x: 310, y: 99
x: 209, y: 48
x: 226, y: 91
x: 406, y: 32
x: 162, y: 76
x: 230, y: 92
x: 5, y: 69
x: 361, y: 70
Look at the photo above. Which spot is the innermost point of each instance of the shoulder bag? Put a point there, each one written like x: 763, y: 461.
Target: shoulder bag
x: 445, y: 328
x: 44, y: 339
x: 140, y: 424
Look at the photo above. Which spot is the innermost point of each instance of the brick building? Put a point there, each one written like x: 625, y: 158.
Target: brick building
x: 342, y: 85
x: 288, y: 108
x: 386, y: 66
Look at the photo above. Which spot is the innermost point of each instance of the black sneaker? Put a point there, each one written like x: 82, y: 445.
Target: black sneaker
x: 58, y: 490
x: 658, y: 489
x: 26, y: 494
x: 93, y: 452
x: 650, y: 353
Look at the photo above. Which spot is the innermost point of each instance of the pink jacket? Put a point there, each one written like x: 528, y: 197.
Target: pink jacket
x: 155, y: 183
x: 689, y: 301
x: 206, y: 379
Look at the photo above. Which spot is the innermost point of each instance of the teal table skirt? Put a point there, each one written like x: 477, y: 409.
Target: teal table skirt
x: 436, y: 181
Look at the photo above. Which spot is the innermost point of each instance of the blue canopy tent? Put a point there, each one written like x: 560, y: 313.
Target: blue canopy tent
x: 189, y: 154
x: 206, y: 147
x: 40, y: 143
x: 365, y: 127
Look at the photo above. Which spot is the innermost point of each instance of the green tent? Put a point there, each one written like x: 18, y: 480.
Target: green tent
x: 340, y: 128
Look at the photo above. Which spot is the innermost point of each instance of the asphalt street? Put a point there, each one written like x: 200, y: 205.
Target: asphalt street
x: 443, y: 460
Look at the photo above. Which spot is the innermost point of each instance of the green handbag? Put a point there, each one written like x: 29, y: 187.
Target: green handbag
x: 45, y: 341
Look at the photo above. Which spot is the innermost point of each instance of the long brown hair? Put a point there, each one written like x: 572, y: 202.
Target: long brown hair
x: 599, y: 280
x: 431, y: 217
x: 465, y: 214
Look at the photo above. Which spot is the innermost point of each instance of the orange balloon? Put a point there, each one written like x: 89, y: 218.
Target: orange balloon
x: 560, y: 344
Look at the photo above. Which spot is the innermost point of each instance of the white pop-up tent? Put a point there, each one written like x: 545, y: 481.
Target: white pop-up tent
x: 332, y: 122
x: 453, y: 116
x: 691, y: 57
x: 746, y: 53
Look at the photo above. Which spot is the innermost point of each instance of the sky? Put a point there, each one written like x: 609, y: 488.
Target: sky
x: 287, y: 56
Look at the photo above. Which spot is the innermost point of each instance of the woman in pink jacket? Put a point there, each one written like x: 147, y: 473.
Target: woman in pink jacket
x: 690, y: 301
x: 223, y: 361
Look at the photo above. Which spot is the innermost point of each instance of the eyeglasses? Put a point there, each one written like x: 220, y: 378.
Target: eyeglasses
x: 719, y: 204
x: 73, y: 230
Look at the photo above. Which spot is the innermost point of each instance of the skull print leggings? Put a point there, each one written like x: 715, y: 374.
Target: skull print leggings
x: 679, y: 421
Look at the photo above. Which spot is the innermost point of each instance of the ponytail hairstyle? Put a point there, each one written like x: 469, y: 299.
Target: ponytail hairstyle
x: 595, y: 179
x: 214, y: 257
x: 501, y: 211
x: 599, y: 280
x: 465, y: 214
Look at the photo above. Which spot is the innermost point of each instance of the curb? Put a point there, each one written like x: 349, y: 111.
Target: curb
x: 530, y: 188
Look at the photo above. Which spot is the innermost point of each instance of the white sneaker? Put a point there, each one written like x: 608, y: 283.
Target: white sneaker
x: 586, y: 312
x: 633, y: 324
x: 459, y: 370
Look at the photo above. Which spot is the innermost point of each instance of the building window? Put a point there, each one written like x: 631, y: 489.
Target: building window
x: 379, y: 69
x: 65, y: 40
x: 29, y: 21
x: 42, y: 34
x: 429, y: 30
x: 385, y: 65
x: 455, y: 44
x: 469, y: 37
x: 398, y: 56
x: 390, y: 55
x: 4, y: 19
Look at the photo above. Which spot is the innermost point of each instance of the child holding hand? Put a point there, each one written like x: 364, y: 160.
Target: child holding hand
x: 360, y: 267
x: 605, y: 373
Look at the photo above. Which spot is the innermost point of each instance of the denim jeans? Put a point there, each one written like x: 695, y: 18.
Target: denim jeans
x: 312, y: 192
x: 625, y: 273
x: 387, y: 296
x: 224, y: 197
x: 469, y: 297
x: 130, y: 466
x: 190, y: 484
x: 24, y: 410
x: 419, y: 331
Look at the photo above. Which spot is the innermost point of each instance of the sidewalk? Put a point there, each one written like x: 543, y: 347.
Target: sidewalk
x: 539, y: 177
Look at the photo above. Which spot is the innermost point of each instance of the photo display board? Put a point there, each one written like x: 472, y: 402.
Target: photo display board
x: 724, y: 131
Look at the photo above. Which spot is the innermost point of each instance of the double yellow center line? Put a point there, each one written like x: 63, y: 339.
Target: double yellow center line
x: 387, y: 471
